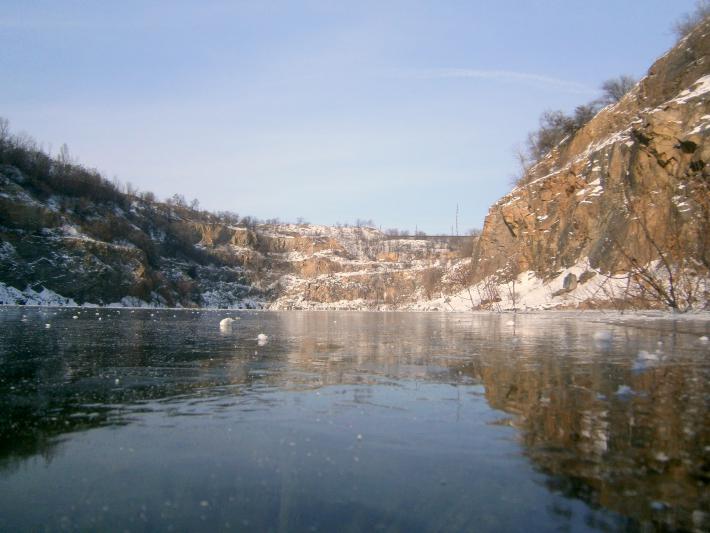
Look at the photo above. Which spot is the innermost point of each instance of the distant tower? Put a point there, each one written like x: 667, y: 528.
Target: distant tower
x: 457, y: 220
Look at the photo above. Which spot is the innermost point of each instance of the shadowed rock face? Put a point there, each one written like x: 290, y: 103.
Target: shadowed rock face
x: 635, y: 174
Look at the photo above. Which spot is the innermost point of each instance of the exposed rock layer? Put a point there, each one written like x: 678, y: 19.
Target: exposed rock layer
x: 142, y: 251
x: 630, y: 186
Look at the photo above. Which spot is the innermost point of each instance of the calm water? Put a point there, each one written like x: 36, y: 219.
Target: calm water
x: 157, y: 420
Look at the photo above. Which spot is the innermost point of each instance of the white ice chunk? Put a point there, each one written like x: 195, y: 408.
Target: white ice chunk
x: 226, y: 324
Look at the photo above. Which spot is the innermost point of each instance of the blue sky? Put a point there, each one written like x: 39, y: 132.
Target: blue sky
x: 331, y: 111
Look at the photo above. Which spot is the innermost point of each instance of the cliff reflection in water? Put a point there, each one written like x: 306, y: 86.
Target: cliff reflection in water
x: 620, y: 434
x: 606, y: 427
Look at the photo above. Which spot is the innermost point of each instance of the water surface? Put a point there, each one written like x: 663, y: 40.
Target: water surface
x: 156, y: 420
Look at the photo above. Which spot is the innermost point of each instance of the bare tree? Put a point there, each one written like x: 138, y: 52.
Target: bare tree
x: 461, y: 277
x: 364, y: 223
x: 117, y: 184
x: 524, y: 161
x: 4, y: 130
x: 687, y: 22
x: 671, y: 276
x: 147, y: 196
x: 228, y: 217
x: 555, y: 126
x: 584, y: 113
x: 672, y: 280
x: 512, y: 273
x: 64, y: 157
x: 431, y: 281
x: 178, y: 200
x: 614, y: 89
x: 489, y: 296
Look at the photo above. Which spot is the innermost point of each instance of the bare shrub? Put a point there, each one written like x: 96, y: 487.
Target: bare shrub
x: 557, y: 127
x: 431, y: 281
x: 689, y: 21
x: 614, y: 89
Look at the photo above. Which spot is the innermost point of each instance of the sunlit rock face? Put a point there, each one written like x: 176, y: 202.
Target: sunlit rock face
x: 632, y: 187
x: 59, y: 250
x: 632, y: 181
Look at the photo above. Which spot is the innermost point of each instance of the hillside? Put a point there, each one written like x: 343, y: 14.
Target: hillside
x: 69, y: 237
x: 617, y: 215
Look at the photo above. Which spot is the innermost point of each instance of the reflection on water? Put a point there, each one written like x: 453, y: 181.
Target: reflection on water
x: 149, y: 420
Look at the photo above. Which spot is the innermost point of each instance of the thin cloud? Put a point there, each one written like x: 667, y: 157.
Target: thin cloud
x: 495, y: 75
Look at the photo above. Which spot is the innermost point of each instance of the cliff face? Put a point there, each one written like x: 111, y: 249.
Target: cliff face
x: 617, y: 214
x: 630, y: 188
x: 316, y: 267
x: 60, y: 249
x: 57, y: 249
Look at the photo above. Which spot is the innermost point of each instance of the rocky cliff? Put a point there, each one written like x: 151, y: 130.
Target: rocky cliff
x: 95, y: 245
x: 618, y: 214
x: 619, y: 211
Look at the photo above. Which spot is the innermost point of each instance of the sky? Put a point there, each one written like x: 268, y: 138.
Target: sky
x: 331, y: 111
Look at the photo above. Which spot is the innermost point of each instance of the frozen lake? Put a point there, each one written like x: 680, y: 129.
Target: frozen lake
x: 158, y: 420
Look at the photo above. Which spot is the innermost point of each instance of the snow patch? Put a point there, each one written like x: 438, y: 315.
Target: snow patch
x: 699, y: 88
x: 11, y: 296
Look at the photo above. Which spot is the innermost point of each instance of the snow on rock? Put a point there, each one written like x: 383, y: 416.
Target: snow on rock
x: 131, y: 301
x: 12, y: 296
x: 7, y: 250
x: 698, y: 89
x: 643, y: 355
x: 230, y: 298
x: 528, y: 292
x: 624, y: 390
